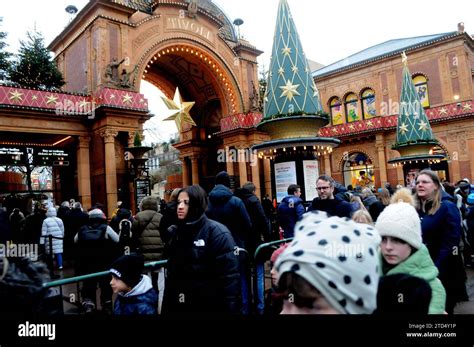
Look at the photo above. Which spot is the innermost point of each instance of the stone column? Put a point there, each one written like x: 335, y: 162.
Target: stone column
x: 185, y: 172
x: 379, y: 144
x: 195, y: 169
x: 110, y: 169
x: 267, y: 173
x: 229, y: 162
x: 327, y: 164
x: 84, y: 172
x: 242, y: 166
x: 256, y: 175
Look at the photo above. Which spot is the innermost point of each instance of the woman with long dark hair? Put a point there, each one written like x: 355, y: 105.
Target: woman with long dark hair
x: 441, y: 231
x: 202, y: 270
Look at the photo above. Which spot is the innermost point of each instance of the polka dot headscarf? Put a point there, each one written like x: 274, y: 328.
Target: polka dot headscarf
x: 339, y: 257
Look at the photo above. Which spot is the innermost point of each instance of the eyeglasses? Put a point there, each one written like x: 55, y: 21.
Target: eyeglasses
x: 323, y: 188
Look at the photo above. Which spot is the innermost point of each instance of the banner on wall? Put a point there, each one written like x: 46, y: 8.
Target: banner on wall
x: 311, y: 174
x: 285, y: 174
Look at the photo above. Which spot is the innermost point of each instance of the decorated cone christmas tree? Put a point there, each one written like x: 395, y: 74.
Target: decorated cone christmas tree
x: 293, y: 114
x: 415, y: 139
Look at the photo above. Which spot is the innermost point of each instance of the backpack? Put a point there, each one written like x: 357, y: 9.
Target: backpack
x: 92, y: 239
x: 125, y: 232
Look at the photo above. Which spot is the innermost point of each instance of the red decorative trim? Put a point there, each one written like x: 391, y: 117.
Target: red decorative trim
x: 240, y: 120
x: 435, y: 115
x: 66, y: 103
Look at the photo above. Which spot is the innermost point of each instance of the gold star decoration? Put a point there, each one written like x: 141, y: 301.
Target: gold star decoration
x: 334, y: 130
x: 403, y: 128
x: 281, y: 71
x: 34, y: 97
x: 289, y: 90
x: 16, y: 96
x: 234, y: 120
x: 112, y: 96
x: 466, y: 107
x: 286, y: 51
x: 423, y: 126
x: 127, y: 99
x: 404, y: 58
x: 352, y: 127
x: 370, y: 124
x: 443, y: 111
x: 51, y: 99
x: 181, y: 110
x: 294, y: 68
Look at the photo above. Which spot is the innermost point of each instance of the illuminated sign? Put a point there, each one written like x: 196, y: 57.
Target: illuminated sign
x: 12, y: 155
x: 50, y: 157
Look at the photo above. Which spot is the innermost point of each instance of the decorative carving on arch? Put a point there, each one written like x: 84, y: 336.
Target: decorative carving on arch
x: 347, y: 154
x: 444, y: 147
x: 185, y: 40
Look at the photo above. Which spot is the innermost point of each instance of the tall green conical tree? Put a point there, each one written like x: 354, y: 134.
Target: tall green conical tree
x: 290, y: 88
x: 413, y: 125
x: 34, y: 66
x: 4, y: 55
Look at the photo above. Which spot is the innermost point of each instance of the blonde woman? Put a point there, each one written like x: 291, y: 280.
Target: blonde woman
x: 441, y: 232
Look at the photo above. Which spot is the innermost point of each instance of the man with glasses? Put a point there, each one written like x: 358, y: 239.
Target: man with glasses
x: 290, y: 210
x: 327, y: 201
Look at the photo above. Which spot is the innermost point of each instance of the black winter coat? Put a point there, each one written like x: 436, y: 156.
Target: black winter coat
x: 229, y: 210
x: 202, y: 270
x: 334, y: 207
x: 260, y: 227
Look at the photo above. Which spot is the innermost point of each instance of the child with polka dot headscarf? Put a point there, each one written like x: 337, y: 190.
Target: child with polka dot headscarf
x: 331, y: 267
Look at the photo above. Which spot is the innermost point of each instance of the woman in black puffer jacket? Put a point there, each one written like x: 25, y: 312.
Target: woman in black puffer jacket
x: 202, y: 270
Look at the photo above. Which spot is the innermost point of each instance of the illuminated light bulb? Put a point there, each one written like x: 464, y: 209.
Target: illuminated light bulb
x: 172, y: 49
x: 304, y: 147
x: 167, y: 50
x: 284, y: 149
x: 294, y: 148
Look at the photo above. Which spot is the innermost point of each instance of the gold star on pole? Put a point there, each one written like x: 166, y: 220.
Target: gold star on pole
x: 289, y: 90
x: 51, y: 99
x: 16, y: 96
x: 127, y: 99
x: 181, y: 110
x: 286, y: 51
x: 423, y: 126
x: 403, y: 128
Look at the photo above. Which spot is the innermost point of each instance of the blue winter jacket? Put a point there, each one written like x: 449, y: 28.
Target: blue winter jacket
x: 290, y: 211
x: 141, y: 300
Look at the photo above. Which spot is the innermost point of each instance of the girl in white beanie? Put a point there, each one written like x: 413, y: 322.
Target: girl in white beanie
x: 402, y: 249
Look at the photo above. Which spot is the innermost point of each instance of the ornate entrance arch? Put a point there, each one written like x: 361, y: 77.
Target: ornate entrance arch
x: 115, y: 44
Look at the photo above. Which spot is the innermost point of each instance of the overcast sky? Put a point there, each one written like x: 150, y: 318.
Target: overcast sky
x: 329, y: 30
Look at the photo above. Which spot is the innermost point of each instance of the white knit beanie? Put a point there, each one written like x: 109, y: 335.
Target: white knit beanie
x: 400, y: 220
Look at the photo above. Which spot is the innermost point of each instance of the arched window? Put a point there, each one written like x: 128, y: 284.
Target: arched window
x: 358, y: 170
x: 336, y: 111
x: 421, y: 86
x: 351, y: 108
x: 368, y: 104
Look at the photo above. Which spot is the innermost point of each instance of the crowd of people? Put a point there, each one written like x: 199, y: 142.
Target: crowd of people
x: 348, y: 251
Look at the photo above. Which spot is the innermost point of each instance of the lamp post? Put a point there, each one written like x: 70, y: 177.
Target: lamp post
x: 138, y: 172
